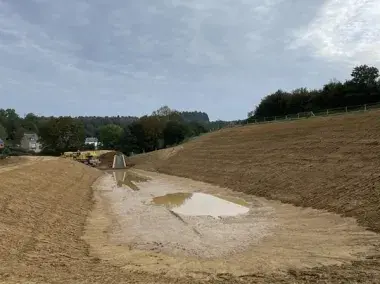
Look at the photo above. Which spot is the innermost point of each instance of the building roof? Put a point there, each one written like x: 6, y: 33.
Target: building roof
x: 30, y: 135
x: 91, y: 140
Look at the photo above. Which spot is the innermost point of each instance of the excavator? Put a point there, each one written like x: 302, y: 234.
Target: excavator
x: 86, y: 157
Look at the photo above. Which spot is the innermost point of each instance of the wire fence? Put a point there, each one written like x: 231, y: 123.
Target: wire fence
x: 320, y: 113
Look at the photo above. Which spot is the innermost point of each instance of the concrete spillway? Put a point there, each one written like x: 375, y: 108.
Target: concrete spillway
x: 119, y: 162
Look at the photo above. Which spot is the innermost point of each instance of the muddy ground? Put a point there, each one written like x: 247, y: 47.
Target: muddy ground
x: 45, y: 207
x: 273, y: 238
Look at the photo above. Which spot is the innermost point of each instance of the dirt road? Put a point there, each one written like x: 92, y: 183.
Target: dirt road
x: 271, y: 240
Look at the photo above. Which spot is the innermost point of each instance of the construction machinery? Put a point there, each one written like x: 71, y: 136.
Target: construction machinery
x: 89, y: 158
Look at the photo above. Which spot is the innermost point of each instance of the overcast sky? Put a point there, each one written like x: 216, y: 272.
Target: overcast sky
x: 129, y: 57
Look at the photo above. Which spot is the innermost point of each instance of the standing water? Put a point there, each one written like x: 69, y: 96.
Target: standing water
x: 201, y: 204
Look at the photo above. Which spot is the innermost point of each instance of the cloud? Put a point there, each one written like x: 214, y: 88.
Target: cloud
x: 130, y: 57
x: 344, y: 31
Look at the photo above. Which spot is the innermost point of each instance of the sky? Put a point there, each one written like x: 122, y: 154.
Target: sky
x: 129, y: 57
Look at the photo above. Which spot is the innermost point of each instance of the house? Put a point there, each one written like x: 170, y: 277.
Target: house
x: 30, y: 142
x: 2, y: 144
x: 92, y: 141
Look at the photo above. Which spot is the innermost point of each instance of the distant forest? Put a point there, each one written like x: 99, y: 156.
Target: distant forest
x: 164, y: 127
x: 362, y: 88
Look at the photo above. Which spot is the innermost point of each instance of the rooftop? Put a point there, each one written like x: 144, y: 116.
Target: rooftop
x: 91, y: 139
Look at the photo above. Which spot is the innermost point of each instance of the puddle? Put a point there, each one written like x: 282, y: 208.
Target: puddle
x: 201, y: 204
x: 126, y: 178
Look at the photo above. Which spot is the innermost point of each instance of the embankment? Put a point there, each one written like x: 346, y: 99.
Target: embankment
x: 43, y: 211
x: 326, y: 163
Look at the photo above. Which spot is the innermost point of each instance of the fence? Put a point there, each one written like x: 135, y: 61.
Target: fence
x: 320, y: 113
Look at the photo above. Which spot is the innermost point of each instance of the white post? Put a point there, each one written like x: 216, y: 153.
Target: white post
x: 327, y: 112
x: 286, y: 117
x: 114, y: 161
x: 365, y: 107
x: 346, y: 109
x: 275, y: 118
x: 124, y: 162
x: 298, y: 115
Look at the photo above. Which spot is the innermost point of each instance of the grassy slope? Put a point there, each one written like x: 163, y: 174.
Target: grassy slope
x: 327, y: 163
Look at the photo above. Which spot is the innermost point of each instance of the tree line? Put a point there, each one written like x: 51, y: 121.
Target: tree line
x: 362, y: 88
x: 164, y: 127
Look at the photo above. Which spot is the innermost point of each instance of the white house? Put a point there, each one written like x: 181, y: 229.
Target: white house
x: 92, y: 141
x: 30, y: 142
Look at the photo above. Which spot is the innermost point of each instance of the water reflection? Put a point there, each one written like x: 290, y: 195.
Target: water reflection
x: 126, y: 178
x: 201, y: 204
x: 172, y: 200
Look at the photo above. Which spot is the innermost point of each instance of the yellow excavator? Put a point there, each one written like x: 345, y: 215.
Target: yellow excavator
x: 86, y: 157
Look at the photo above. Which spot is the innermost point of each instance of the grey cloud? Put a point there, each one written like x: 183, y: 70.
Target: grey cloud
x: 129, y: 57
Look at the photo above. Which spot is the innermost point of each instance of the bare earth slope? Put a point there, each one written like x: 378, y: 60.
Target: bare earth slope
x: 43, y: 210
x: 326, y: 163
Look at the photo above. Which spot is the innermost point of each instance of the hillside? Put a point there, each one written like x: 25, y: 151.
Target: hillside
x: 326, y: 163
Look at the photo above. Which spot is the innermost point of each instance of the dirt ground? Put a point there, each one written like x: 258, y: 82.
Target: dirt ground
x: 272, y: 239
x: 43, y: 210
x: 329, y: 163
x: 326, y: 163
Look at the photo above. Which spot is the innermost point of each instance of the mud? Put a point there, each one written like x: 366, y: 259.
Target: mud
x: 272, y: 238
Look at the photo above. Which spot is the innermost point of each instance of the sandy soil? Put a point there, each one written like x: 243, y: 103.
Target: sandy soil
x: 16, y: 162
x: 43, y: 209
x: 329, y: 163
x: 272, y: 239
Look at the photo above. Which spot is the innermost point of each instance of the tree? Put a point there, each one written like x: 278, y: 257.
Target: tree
x: 3, y: 133
x: 153, y: 132
x: 137, y: 131
x: 162, y: 111
x: 12, y: 122
x: 195, y: 129
x: 128, y: 142
x: 62, y: 134
x: 110, y: 135
x: 30, y: 123
x: 174, y: 133
x: 274, y: 104
x: 365, y: 75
